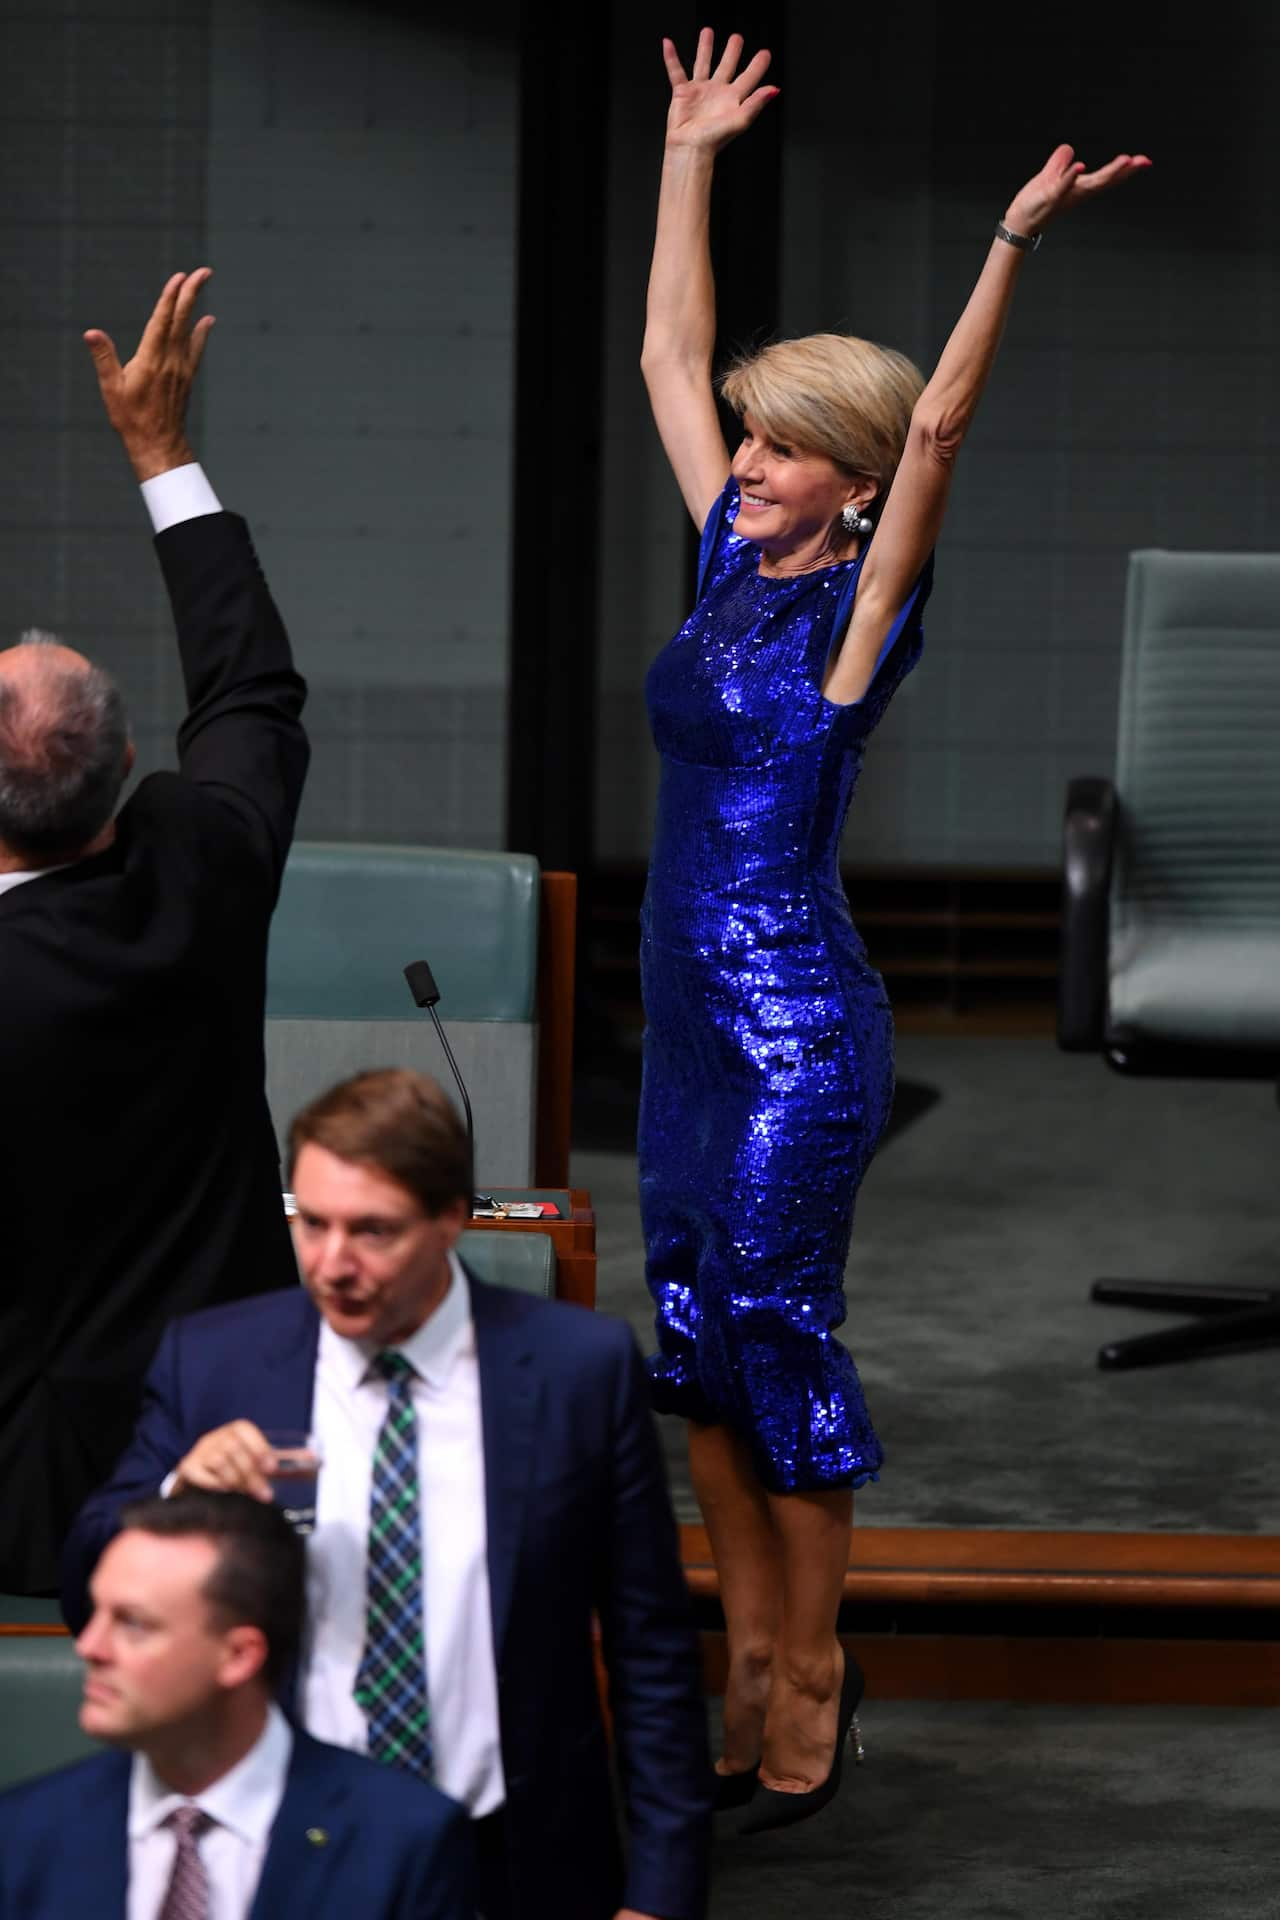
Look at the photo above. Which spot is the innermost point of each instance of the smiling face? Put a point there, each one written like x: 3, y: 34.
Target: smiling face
x: 790, y: 501
x: 375, y: 1263
x: 157, y: 1656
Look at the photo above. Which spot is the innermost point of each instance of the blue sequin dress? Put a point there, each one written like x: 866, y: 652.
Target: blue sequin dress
x: 768, y: 1063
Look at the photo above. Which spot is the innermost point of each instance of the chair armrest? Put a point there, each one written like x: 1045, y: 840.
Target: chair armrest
x: 1088, y: 837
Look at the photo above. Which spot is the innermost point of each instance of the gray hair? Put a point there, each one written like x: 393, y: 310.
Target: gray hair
x: 62, y: 756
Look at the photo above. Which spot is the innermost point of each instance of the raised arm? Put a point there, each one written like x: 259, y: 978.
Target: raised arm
x: 708, y: 109
x: 913, y: 513
x: 241, y: 739
x: 146, y: 398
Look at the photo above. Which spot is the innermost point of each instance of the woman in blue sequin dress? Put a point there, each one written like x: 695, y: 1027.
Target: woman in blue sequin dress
x: 768, y: 1069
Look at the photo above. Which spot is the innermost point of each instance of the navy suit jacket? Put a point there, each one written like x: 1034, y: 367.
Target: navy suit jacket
x: 392, y: 1847
x: 578, y: 1520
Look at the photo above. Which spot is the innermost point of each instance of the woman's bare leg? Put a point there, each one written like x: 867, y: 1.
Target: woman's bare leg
x: 813, y: 1531
x: 747, y: 1552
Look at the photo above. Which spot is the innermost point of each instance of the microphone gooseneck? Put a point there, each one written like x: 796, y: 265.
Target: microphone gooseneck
x: 422, y: 985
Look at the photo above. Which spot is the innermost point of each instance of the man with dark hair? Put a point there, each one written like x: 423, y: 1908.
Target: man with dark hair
x: 223, y: 1809
x: 138, y: 1170
x: 403, y: 1123
x: 490, y: 1478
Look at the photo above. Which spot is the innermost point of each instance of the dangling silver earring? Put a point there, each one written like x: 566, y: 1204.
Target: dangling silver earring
x: 853, y: 519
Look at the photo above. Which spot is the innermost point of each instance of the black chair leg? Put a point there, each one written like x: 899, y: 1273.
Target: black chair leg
x: 1227, y: 1317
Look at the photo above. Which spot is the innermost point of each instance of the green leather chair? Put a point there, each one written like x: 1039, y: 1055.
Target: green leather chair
x: 511, y: 1258
x: 40, y: 1673
x: 350, y: 919
x: 40, y: 1686
x: 1170, y: 957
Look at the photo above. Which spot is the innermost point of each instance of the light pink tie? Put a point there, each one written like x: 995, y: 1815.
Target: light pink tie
x: 187, y: 1896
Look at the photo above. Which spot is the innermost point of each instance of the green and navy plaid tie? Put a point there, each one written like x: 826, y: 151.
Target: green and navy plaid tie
x: 391, y: 1682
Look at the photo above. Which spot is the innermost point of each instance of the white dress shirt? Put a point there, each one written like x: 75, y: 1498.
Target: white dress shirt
x: 349, y: 1407
x: 8, y: 880
x: 243, y: 1806
x: 181, y: 494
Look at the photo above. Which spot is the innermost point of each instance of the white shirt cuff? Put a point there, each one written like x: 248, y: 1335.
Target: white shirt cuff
x: 181, y: 494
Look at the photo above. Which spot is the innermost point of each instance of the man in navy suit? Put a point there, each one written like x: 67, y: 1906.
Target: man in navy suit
x: 214, y: 1803
x: 490, y: 1477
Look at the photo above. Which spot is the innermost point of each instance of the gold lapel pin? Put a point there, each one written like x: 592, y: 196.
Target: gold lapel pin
x: 317, y: 1836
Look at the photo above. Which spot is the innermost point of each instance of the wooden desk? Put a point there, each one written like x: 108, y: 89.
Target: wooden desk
x: 573, y: 1237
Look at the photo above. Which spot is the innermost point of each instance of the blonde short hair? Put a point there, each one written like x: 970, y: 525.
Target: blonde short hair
x: 831, y: 393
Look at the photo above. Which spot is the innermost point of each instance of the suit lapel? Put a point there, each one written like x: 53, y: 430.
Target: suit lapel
x: 508, y: 1415
x: 287, y: 1370
x: 312, y: 1832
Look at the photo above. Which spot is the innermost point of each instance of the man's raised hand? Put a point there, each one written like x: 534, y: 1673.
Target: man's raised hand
x: 146, y: 398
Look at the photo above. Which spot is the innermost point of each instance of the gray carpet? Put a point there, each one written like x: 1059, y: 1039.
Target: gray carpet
x: 995, y: 1812
x: 979, y: 1228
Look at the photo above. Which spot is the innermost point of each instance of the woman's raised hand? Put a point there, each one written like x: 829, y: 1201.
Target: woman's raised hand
x: 1061, y: 183
x: 710, y: 108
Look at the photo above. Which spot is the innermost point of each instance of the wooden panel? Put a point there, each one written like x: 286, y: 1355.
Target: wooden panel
x: 574, y: 1240
x: 938, y: 1566
x: 557, y: 943
x: 975, y: 945
x: 1079, y: 1671
x: 1238, y: 1673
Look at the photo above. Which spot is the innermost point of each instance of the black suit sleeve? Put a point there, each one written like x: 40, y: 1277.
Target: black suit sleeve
x: 242, y: 739
x: 655, y: 1681
x: 157, y: 1445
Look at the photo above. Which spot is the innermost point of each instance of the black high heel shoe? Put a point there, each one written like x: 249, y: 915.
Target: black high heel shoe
x: 769, y: 1808
x: 732, y: 1790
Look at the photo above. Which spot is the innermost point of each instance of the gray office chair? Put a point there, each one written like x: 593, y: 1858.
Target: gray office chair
x: 1170, y: 958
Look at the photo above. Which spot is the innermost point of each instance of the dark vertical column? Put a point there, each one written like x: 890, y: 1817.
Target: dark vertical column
x: 746, y: 215
x: 560, y: 311
x: 746, y: 207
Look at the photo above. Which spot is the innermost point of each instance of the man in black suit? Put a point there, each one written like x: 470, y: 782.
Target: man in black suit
x: 213, y: 1803
x: 138, y: 1169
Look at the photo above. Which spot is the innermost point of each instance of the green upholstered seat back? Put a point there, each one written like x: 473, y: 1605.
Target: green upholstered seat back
x: 509, y: 1258
x: 350, y: 918
x: 41, y: 1680
x: 1195, y: 913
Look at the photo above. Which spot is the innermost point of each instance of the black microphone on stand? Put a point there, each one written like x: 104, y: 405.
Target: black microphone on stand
x: 422, y: 985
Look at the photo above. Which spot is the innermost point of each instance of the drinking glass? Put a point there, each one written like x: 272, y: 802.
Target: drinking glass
x: 293, y: 1475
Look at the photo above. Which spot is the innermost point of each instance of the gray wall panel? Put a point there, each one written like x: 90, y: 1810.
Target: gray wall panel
x: 362, y: 213
x: 102, y: 156
x: 350, y: 174
x: 496, y: 1058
